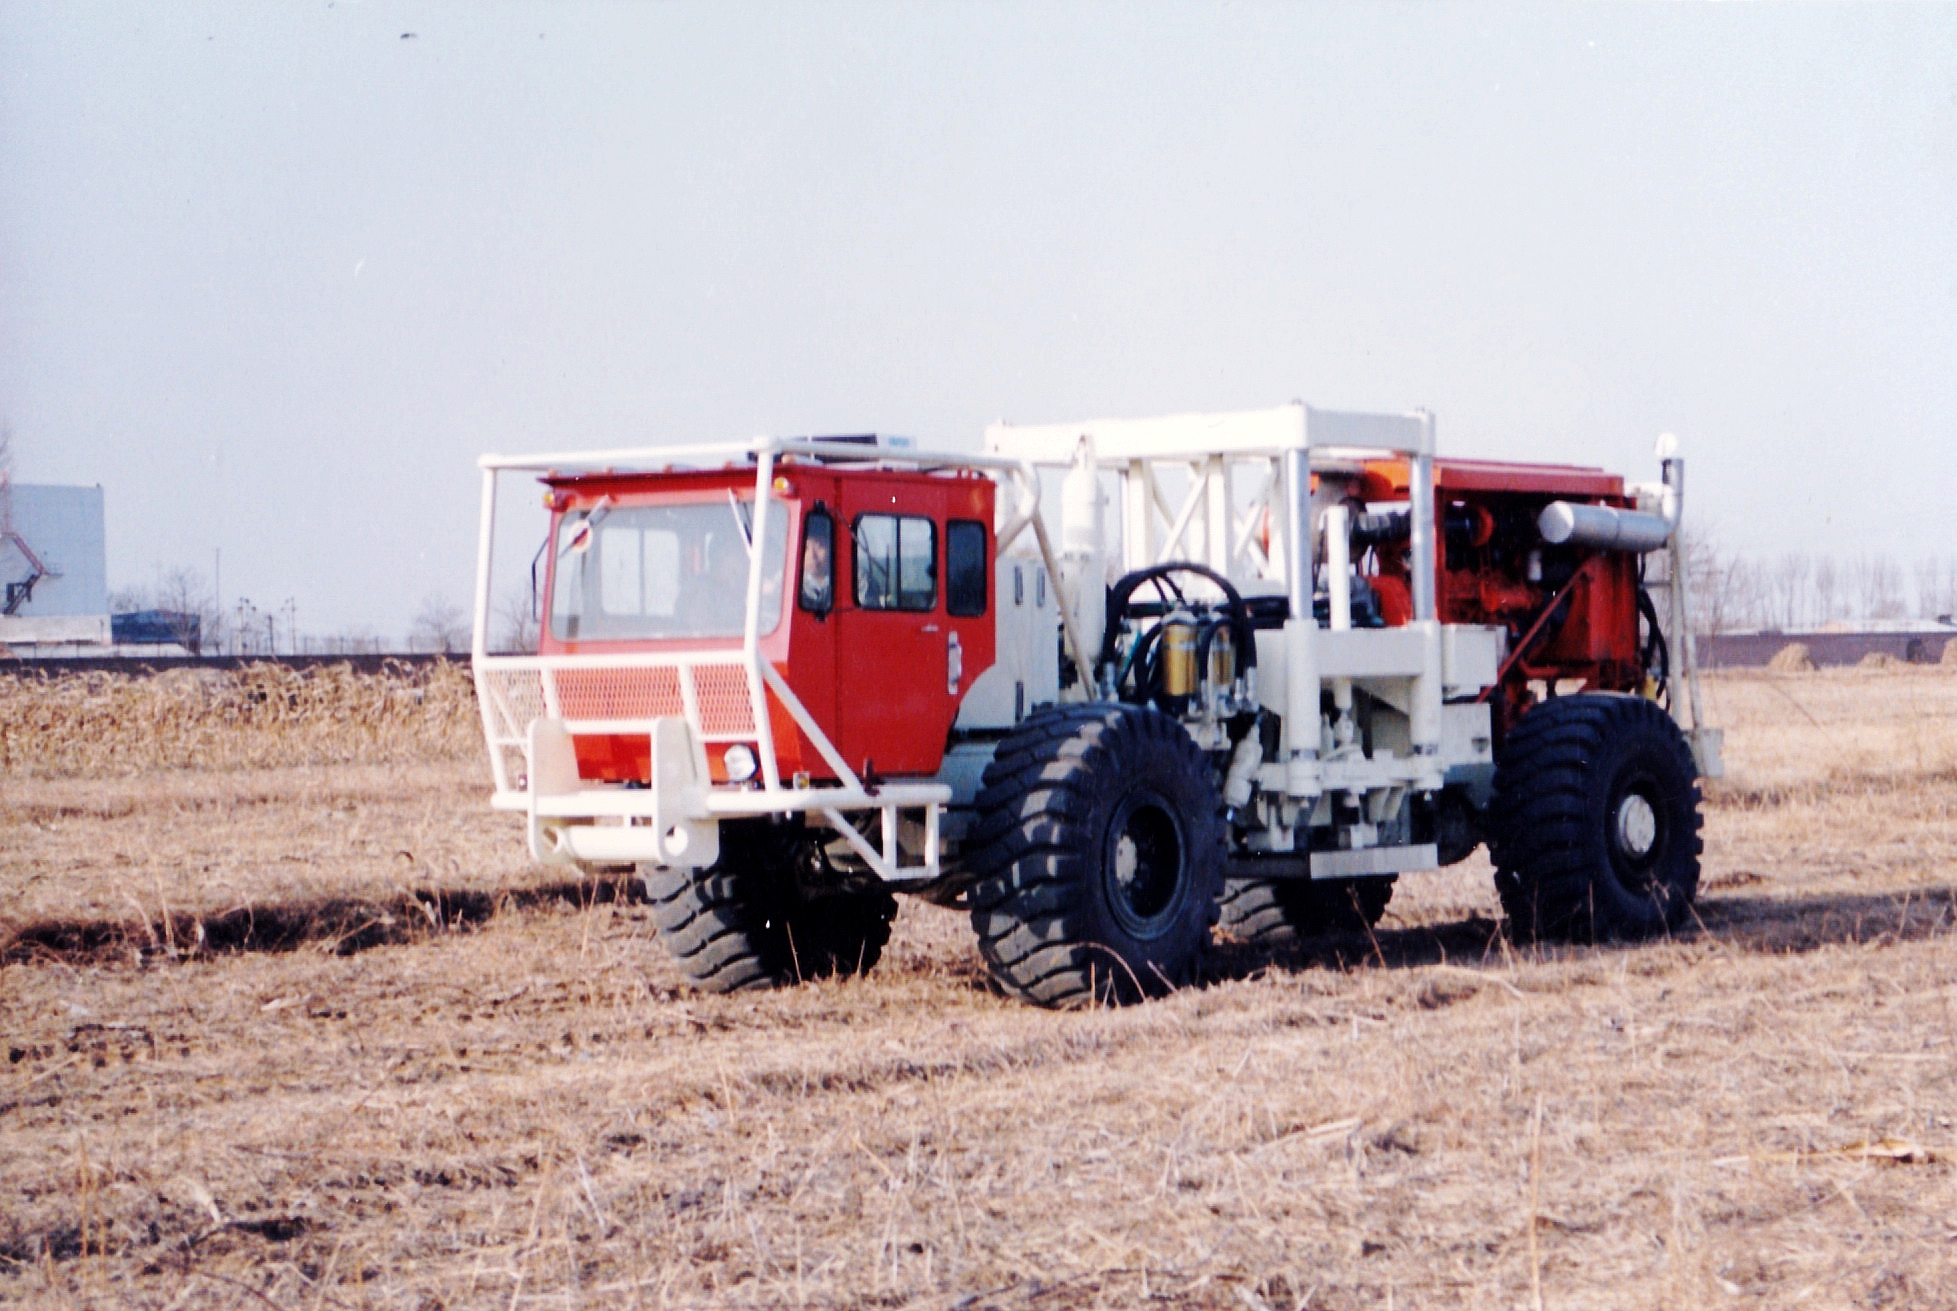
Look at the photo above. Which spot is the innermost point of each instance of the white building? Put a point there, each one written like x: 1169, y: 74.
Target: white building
x: 53, y: 566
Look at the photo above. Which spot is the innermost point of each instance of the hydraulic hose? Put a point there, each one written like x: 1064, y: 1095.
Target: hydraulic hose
x: 1124, y: 588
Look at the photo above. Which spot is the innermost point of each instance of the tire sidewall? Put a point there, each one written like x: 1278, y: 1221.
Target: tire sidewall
x: 1637, y: 898
x: 1151, y: 763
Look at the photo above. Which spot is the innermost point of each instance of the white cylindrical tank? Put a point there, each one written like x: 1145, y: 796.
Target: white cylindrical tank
x: 1602, y: 527
x: 1083, y: 546
x: 1080, y: 504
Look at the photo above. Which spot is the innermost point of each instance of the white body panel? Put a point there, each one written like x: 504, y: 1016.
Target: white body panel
x: 1026, y: 671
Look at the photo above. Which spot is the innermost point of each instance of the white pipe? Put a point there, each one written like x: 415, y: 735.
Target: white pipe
x: 1338, y: 587
x: 1301, y: 685
x: 648, y: 457
x: 1420, y: 549
x: 1338, y: 565
x: 485, y: 543
x: 764, y: 475
x: 1424, y: 721
x: 1681, y: 601
x: 479, y: 630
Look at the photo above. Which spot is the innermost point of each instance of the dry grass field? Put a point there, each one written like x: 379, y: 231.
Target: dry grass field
x: 289, y: 1021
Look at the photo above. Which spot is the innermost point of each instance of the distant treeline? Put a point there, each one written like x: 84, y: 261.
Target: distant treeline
x: 1734, y: 592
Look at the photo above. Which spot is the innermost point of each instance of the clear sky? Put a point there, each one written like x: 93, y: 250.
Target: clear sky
x: 274, y: 274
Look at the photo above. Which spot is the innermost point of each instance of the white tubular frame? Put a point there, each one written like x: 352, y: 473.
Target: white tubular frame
x: 1277, y: 448
x: 514, y: 690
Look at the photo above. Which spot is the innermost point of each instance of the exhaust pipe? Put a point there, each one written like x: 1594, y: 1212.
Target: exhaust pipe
x: 1603, y: 527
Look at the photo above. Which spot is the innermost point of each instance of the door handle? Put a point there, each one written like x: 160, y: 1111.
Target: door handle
x: 954, y: 663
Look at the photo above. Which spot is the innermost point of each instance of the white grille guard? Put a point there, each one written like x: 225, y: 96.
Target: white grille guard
x: 533, y: 705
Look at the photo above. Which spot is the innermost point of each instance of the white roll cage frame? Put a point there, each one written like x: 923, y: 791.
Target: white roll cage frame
x: 664, y: 829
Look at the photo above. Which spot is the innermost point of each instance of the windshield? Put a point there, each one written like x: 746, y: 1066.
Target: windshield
x: 626, y: 572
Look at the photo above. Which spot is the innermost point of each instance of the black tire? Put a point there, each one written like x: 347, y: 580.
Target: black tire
x: 748, y: 921
x: 1098, y: 847
x: 1271, y: 912
x: 1595, y: 825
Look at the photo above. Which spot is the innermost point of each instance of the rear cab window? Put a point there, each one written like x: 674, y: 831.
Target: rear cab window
x: 895, y: 562
x: 966, y: 557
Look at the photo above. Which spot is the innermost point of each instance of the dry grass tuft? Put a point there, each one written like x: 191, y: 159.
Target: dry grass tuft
x: 1794, y: 658
x: 505, y: 1097
x: 98, y: 725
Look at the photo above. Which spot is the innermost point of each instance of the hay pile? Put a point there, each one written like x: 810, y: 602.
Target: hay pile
x: 1794, y: 658
x: 261, y: 716
x: 1949, y: 660
x: 1880, y: 660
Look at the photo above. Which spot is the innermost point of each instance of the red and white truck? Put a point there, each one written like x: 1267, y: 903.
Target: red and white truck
x: 1260, y: 665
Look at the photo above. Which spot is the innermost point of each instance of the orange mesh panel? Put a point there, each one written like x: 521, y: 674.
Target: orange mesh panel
x: 725, y: 710
x: 618, y: 693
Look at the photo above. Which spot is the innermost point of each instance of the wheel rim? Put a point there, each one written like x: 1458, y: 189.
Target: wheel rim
x: 1638, y: 832
x: 1637, y: 826
x: 1142, y: 871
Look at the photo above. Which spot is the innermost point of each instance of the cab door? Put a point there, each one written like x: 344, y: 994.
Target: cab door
x: 893, y: 705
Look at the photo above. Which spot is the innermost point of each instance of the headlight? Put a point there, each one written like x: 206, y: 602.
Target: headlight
x: 740, y: 762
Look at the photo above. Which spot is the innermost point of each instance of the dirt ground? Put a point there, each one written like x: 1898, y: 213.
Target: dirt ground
x: 320, y: 1036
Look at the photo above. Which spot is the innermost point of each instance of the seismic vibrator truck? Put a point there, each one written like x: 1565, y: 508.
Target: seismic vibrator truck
x: 1256, y: 667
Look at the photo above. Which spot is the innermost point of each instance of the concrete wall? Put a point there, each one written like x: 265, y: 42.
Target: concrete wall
x: 1752, y: 650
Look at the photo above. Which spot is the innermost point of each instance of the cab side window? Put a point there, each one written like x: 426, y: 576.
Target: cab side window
x: 818, y: 590
x: 965, y: 567
x: 896, y: 562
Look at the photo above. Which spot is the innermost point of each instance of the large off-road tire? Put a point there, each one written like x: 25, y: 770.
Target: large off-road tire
x: 1595, y: 825
x: 749, y: 922
x: 1271, y: 912
x: 1098, y: 847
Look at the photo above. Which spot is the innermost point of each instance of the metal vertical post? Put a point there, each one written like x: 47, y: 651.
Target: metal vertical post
x: 1301, y: 686
x: 764, y: 477
x: 1687, y: 651
x: 479, y: 629
x: 1425, y: 721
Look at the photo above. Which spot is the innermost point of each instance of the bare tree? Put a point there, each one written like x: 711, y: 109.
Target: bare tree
x: 130, y: 597
x: 355, y: 640
x: 439, y: 626
x: 1823, y: 591
x: 516, y: 623
x: 1725, y: 588
x: 1877, y: 584
x: 1703, y: 572
x: 1936, y: 587
x: 1790, y: 589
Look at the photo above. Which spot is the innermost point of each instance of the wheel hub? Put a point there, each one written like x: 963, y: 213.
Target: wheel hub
x: 1636, y: 826
x: 1144, y: 866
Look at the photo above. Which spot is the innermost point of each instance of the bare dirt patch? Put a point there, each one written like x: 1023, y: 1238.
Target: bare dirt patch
x: 314, y: 1033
